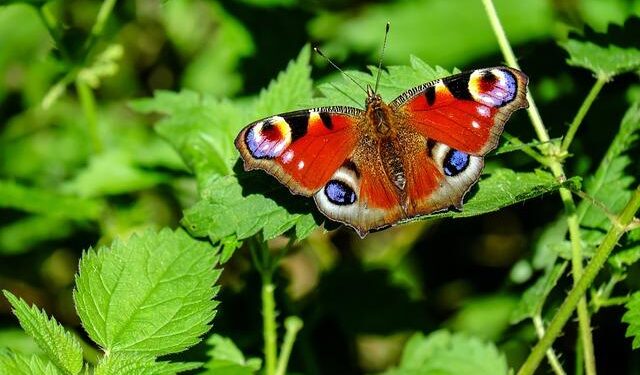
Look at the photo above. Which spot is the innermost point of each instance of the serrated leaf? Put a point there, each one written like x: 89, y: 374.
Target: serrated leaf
x: 292, y: 87
x: 201, y: 128
x: 151, y: 294
x: 504, y: 187
x: 632, y: 317
x: 59, y: 345
x: 607, y: 55
x: 533, y: 298
x: 44, y: 201
x: 227, y: 359
x: 443, y: 353
x: 123, y: 363
x: 394, y: 80
x: 244, y: 205
x: 112, y: 173
x: 23, y: 364
x: 613, y: 183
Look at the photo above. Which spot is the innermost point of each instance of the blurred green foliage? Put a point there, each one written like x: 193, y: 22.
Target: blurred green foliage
x: 118, y: 120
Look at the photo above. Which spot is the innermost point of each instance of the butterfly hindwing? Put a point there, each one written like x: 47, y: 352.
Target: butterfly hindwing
x: 466, y: 111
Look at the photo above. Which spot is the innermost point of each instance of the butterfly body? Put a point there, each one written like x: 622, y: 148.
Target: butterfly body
x: 372, y: 168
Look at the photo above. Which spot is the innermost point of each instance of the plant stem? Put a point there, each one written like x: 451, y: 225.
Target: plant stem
x: 582, y: 112
x: 551, y: 355
x: 88, y: 102
x: 590, y: 272
x: 510, y: 59
x: 569, y: 206
x: 584, y: 320
x: 269, y: 324
x: 292, y: 325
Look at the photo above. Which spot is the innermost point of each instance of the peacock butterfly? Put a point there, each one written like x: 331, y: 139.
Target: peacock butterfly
x: 372, y: 168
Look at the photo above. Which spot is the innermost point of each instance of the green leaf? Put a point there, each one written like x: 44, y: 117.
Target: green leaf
x: 59, y: 345
x: 244, y: 205
x: 151, y: 294
x: 394, y: 80
x: 112, y: 173
x: 227, y: 359
x: 18, y: 341
x: 292, y: 87
x: 504, y: 187
x: 607, y: 55
x: 201, y: 128
x: 443, y: 353
x: 124, y: 363
x: 44, y: 201
x: 632, y: 317
x: 23, y: 364
x: 614, y: 181
x: 533, y: 299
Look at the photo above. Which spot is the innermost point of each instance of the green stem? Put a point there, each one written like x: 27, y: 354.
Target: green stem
x: 569, y: 206
x: 510, y: 58
x: 292, y: 325
x: 551, y: 355
x: 88, y: 102
x: 582, y: 112
x: 590, y: 272
x: 584, y: 320
x: 101, y: 19
x: 613, y: 301
x: 269, y: 326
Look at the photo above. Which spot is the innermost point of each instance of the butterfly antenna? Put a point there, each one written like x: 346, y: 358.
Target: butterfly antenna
x: 338, y: 68
x: 384, y: 46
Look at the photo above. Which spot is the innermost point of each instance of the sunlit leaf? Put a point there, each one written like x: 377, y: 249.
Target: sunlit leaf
x: 151, y: 294
x: 443, y: 353
x: 126, y: 363
x: 227, y: 359
x: 23, y: 364
x: 60, y: 346
x: 607, y: 55
x: 632, y: 318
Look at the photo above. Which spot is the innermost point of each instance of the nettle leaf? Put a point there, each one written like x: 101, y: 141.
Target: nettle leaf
x: 632, y: 317
x: 23, y: 364
x: 291, y: 88
x: 227, y: 359
x: 607, y: 55
x: 614, y: 180
x: 443, y: 353
x: 201, y: 128
x: 59, y: 345
x: 152, y: 294
x: 123, y: 363
x: 631, y: 252
x: 394, y: 80
x: 504, y: 187
x: 533, y: 299
x: 44, y: 201
x: 243, y: 205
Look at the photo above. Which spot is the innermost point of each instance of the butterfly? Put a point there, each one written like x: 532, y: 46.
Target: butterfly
x: 372, y: 168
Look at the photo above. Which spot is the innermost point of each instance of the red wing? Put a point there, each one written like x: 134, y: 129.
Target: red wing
x: 302, y: 149
x: 466, y: 111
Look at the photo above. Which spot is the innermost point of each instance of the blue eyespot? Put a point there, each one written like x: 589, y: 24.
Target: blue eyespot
x: 339, y: 193
x: 455, y: 162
